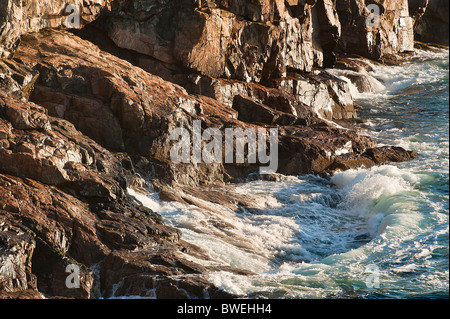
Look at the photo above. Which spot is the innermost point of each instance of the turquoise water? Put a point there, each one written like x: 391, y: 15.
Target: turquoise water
x: 414, y: 246
x: 367, y: 233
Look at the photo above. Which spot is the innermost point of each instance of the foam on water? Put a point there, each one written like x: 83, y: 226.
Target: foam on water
x: 317, y: 238
x: 243, y: 240
x: 385, y: 81
x: 377, y: 194
x: 300, y: 223
x: 372, y: 85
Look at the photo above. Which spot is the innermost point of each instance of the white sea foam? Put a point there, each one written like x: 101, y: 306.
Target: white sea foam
x: 247, y: 241
x: 296, y: 223
x: 424, y: 55
x: 301, y: 244
x: 314, y: 238
x: 382, y: 81
x: 372, y: 86
x: 380, y: 195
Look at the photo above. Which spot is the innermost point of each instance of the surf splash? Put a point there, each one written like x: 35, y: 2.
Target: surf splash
x: 322, y: 238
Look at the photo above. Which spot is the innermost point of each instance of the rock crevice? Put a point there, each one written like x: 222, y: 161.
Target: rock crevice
x: 86, y: 119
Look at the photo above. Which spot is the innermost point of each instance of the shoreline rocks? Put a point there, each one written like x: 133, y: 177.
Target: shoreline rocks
x: 86, y: 115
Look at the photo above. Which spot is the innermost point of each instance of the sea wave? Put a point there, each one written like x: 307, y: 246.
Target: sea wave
x: 314, y: 237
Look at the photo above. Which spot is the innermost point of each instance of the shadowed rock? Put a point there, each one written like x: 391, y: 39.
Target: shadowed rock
x: 81, y: 125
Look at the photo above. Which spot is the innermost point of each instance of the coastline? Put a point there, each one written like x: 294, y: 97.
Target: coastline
x: 85, y: 125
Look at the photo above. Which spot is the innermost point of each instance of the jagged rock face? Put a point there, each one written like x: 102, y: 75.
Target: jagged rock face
x: 118, y: 105
x: 125, y: 109
x: 79, y: 127
x: 253, y: 10
x: 233, y: 50
x: 433, y: 26
x: 16, y: 80
x: 242, y: 40
x: 20, y: 17
x: 15, y: 258
x: 261, y: 41
x: 372, y: 35
x: 257, y: 40
x: 327, y: 96
x: 63, y: 201
x: 203, y: 41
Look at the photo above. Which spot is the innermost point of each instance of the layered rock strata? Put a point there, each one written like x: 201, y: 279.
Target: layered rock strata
x: 21, y: 17
x: 81, y: 125
x: 64, y: 201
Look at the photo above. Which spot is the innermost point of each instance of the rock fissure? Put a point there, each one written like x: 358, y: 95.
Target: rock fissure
x: 86, y: 116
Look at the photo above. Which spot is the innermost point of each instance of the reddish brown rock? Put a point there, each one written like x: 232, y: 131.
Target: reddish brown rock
x: 16, y: 80
x: 16, y: 248
x: 76, y: 214
x: 79, y: 126
x: 249, y: 41
x: 19, y: 17
x: 384, y: 28
x: 156, y: 272
x: 143, y: 109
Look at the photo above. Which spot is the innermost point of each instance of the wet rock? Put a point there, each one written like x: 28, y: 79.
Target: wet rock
x: 357, y: 71
x: 318, y: 149
x: 155, y: 272
x: 391, y: 154
x: 79, y: 127
x: 358, y: 64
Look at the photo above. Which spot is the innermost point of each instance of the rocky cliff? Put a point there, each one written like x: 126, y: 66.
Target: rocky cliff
x: 86, y: 114
x: 433, y: 25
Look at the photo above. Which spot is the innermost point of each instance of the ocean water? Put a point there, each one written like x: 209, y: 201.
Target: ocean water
x: 367, y: 233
